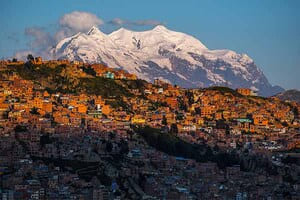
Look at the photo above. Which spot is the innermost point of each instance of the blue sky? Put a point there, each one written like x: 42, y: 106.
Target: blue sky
x: 267, y: 30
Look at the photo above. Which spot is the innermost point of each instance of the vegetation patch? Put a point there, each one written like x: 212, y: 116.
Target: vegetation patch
x: 224, y: 90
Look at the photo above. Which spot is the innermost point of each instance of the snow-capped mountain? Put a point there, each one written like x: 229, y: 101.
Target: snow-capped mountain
x: 172, y: 56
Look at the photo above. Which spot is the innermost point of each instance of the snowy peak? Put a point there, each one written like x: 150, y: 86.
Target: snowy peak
x: 161, y: 53
x: 94, y: 31
x: 160, y: 28
x: 157, y: 38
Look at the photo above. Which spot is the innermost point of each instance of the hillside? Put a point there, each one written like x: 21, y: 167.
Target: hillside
x: 68, y: 78
x: 289, y: 95
x: 115, y: 86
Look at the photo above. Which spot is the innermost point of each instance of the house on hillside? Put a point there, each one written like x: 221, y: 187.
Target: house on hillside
x: 109, y: 75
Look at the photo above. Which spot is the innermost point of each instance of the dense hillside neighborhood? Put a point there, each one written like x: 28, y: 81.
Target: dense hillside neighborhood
x: 66, y: 125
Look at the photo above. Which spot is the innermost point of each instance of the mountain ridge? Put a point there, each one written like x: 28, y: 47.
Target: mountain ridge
x: 289, y: 95
x: 160, y: 53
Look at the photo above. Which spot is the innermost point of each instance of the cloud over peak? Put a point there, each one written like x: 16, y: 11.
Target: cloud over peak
x: 79, y: 21
x: 120, y: 22
x: 42, y: 40
x: 40, y: 37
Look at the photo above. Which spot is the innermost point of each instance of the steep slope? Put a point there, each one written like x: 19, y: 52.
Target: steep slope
x: 168, y: 55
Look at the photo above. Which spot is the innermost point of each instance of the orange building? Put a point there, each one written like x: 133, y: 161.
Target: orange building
x: 245, y: 91
x: 106, y: 109
x: 38, y: 103
x: 130, y: 76
x: 46, y: 94
x: 81, y: 108
x: 47, y: 106
x: 4, y: 106
x: 61, y: 117
x: 83, y: 97
x: 98, y: 100
x: 207, y: 111
x: 246, y: 126
x: 218, y: 115
x: 200, y: 121
x: 260, y: 120
x: 38, y: 60
x: 65, y: 100
x: 226, y: 114
x: 138, y: 119
x: 172, y: 102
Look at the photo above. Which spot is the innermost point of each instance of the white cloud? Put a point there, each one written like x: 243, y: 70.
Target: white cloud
x: 117, y: 21
x: 149, y: 22
x: 40, y: 37
x: 74, y: 22
x: 63, y: 33
x: 79, y: 21
x: 69, y: 24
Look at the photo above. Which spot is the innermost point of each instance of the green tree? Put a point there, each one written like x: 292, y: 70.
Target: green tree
x: 30, y: 57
